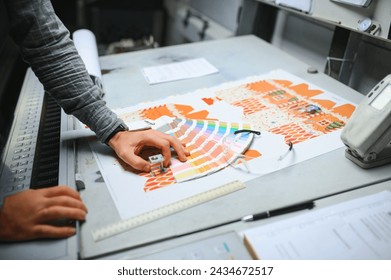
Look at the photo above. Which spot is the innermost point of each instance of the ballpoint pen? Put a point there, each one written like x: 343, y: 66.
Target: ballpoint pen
x: 279, y: 211
x: 249, y: 218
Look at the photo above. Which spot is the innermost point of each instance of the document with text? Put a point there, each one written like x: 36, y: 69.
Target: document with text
x: 355, y: 229
x: 178, y: 71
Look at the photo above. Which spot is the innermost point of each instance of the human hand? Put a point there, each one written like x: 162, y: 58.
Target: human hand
x: 30, y: 214
x: 129, y: 144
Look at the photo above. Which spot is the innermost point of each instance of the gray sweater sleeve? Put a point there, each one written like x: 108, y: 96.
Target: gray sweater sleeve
x: 46, y: 46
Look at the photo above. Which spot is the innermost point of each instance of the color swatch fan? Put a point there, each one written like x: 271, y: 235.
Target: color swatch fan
x: 213, y: 145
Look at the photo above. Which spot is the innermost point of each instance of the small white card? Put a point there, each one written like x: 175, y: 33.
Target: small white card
x: 303, y: 5
x: 178, y: 71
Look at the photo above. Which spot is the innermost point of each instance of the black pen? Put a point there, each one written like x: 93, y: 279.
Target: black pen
x: 279, y: 211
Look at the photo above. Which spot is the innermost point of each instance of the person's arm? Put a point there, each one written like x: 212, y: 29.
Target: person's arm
x: 32, y: 214
x: 47, y: 47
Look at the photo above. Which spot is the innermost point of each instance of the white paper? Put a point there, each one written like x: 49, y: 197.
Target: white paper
x: 128, y: 188
x: 85, y: 44
x: 353, y: 2
x: 356, y: 229
x: 302, y: 5
x: 178, y: 71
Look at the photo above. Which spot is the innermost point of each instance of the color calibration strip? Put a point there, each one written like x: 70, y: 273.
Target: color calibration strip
x: 212, y: 146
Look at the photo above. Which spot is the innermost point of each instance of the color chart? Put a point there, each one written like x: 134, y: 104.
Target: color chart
x: 213, y: 145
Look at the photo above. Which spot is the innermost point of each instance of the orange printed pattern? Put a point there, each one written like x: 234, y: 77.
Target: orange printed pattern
x: 154, y: 113
x: 208, y: 100
x: 159, y: 180
x: 251, y: 154
x: 261, y: 87
x: 293, y: 110
x: 304, y: 91
x: 250, y: 105
x: 305, y: 115
x: 293, y: 133
x: 180, y: 110
x: 345, y: 110
x: 187, y: 112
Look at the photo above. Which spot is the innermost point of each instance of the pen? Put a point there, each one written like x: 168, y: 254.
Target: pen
x: 279, y: 211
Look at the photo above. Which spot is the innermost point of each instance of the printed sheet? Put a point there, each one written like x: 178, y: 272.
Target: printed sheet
x: 286, y: 110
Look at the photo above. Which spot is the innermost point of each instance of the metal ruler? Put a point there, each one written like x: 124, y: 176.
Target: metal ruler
x: 125, y: 225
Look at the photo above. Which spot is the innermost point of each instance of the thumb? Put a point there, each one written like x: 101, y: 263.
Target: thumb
x: 137, y: 162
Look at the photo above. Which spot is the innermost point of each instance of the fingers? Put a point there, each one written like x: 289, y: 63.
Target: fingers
x: 61, y: 190
x: 165, y: 142
x: 63, y: 196
x: 62, y: 202
x: 136, y: 162
x: 179, y: 149
x: 61, y: 213
x: 164, y: 145
x: 48, y: 231
x: 66, y: 201
x: 41, y: 213
x: 128, y: 146
x: 42, y: 231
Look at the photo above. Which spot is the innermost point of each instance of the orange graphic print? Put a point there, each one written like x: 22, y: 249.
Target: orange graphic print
x: 251, y: 154
x: 261, y: 86
x: 158, y: 181
x: 293, y: 133
x: 156, y: 112
x: 292, y: 110
x: 345, y: 110
x: 209, y: 101
x: 249, y: 105
x: 297, y: 111
x: 187, y: 112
